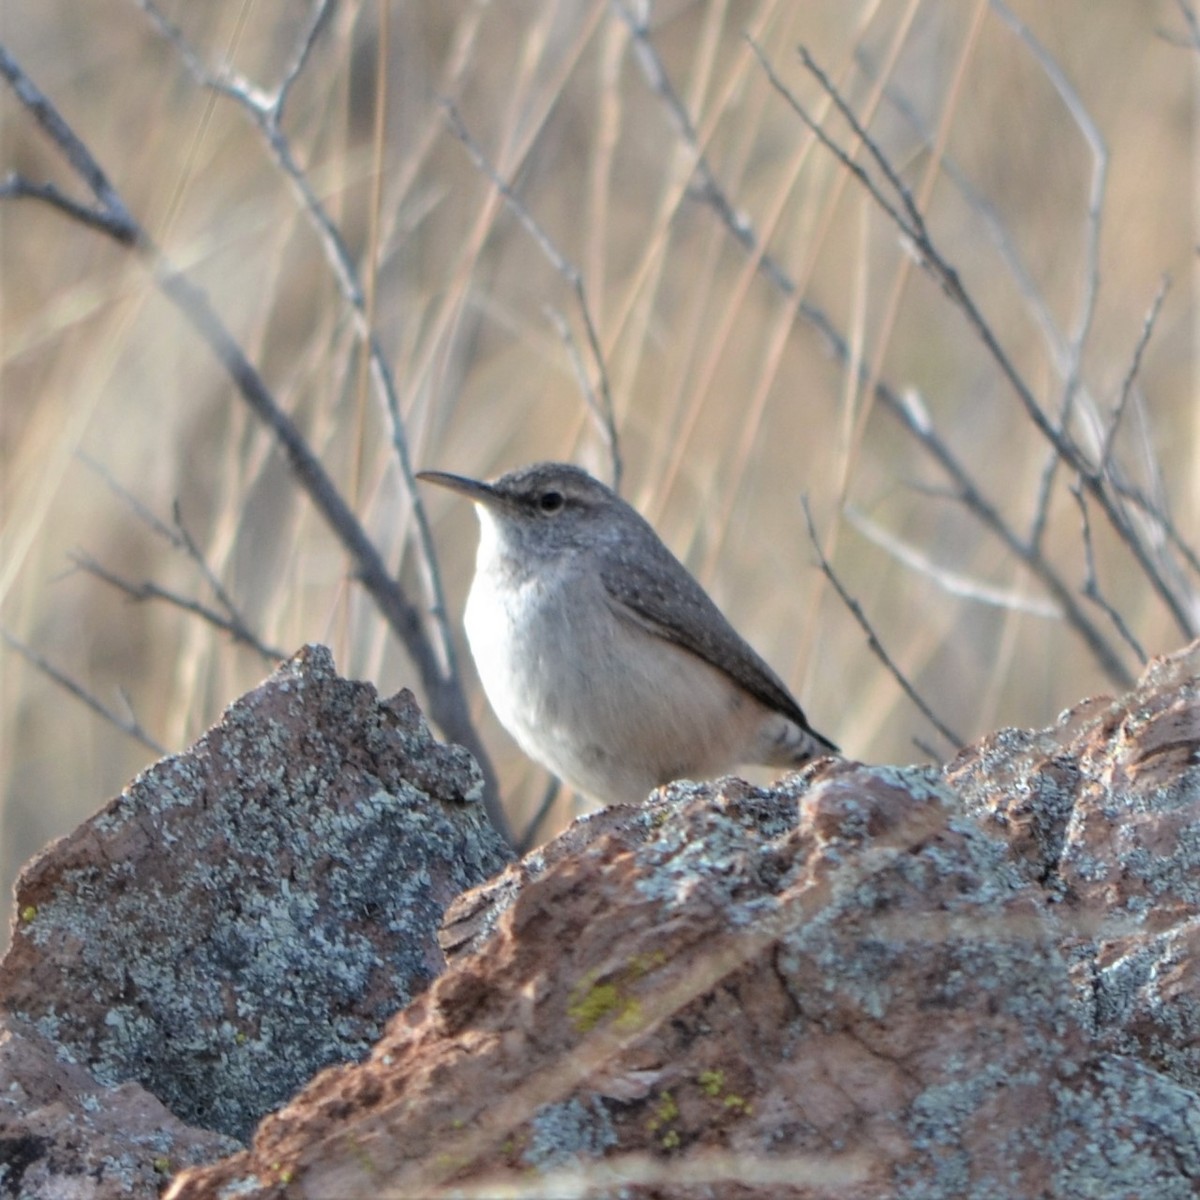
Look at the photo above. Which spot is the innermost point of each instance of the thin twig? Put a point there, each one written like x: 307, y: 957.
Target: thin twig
x: 911, y: 223
x: 1056, y: 342
x: 1154, y: 512
x: 952, y: 582
x: 127, y: 725
x: 916, y: 419
x: 603, y: 419
x: 147, y: 589
x: 526, y: 841
x: 1091, y: 586
x: 927, y: 749
x: 17, y: 187
x: 906, y: 406
x: 1072, y: 365
x: 985, y: 210
x: 193, y: 551
x: 265, y: 109
x: 872, y: 638
x: 143, y: 512
x: 603, y: 408
x: 111, y: 216
x: 179, y: 538
x: 1135, y: 363
x: 707, y: 187
x: 1097, y: 182
x: 1193, y: 24
x: 447, y: 702
x: 443, y: 688
x: 908, y: 217
x: 1091, y: 273
x: 321, y: 13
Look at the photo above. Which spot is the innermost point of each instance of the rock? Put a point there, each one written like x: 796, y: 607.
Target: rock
x: 1104, y: 808
x: 866, y: 981
x: 64, y: 1134
x: 256, y: 908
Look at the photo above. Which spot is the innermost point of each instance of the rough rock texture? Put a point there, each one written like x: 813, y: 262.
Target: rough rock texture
x: 256, y: 908
x: 63, y: 1134
x: 868, y: 982
x: 1104, y: 809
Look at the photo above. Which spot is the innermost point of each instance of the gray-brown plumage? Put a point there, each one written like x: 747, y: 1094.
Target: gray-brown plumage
x: 602, y: 655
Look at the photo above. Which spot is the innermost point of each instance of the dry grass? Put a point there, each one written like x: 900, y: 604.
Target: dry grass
x: 729, y: 407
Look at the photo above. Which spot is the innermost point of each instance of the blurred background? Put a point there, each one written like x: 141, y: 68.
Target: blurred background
x: 1053, y: 149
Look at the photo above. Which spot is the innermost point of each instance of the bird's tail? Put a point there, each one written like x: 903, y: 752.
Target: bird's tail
x: 787, y: 744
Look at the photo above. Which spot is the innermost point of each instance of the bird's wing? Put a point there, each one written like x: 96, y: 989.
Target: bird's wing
x: 655, y: 591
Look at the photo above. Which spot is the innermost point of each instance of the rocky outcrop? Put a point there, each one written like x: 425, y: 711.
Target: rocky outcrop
x: 241, y: 916
x: 873, y: 982
x: 1103, y: 810
x: 866, y: 981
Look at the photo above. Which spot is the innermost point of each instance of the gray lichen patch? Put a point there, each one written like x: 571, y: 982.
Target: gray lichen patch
x: 569, y: 1132
x: 255, y: 909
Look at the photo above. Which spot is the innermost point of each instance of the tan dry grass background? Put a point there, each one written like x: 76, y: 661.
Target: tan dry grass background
x: 729, y: 407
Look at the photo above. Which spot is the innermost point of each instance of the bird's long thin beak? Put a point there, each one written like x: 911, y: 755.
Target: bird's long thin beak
x: 474, y: 489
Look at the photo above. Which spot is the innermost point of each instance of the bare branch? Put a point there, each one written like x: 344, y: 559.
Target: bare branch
x: 1091, y: 587
x: 321, y: 14
x: 265, y: 109
x: 266, y: 112
x: 447, y: 703
x: 1061, y: 352
x: 1064, y: 353
x: 1072, y: 350
x: 127, y: 725
x: 952, y: 582
x: 707, y: 188
x: 194, y: 552
x: 906, y: 407
x: 443, y: 688
x: 1193, y: 25
x: 178, y: 537
x: 149, y: 590
x: 1127, y: 383
x: 1074, y: 104
x: 1155, y: 513
x: 143, y: 513
x: 602, y: 416
x: 911, y: 223
x: 603, y: 410
x: 872, y: 638
x: 927, y: 749
x: 915, y: 417
x: 983, y: 208
x: 526, y: 841
x: 111, y: 216
x: 17, y: 187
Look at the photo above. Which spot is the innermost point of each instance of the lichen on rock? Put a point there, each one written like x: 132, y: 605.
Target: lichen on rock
x: 256, y: 908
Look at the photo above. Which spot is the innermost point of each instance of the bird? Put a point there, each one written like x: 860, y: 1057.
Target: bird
x: 601, y: 654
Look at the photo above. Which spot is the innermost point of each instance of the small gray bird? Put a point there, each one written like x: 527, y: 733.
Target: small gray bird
x: 601, y: 654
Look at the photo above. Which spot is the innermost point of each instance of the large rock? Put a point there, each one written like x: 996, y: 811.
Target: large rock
x: 867, y: 982
x: 256, y: 908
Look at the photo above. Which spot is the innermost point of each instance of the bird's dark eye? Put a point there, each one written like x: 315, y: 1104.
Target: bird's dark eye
x: 550, y: 502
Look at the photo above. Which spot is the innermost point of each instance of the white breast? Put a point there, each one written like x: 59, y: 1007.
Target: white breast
x: 607, y: 706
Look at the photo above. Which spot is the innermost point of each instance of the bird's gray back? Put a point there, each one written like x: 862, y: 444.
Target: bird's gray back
x: 648, y: 584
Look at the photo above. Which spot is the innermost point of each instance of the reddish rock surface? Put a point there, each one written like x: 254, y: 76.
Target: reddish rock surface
x: 63, y: 1134
x: 256, y: 908
x: 1105, y: 810
x: 868, y: 981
